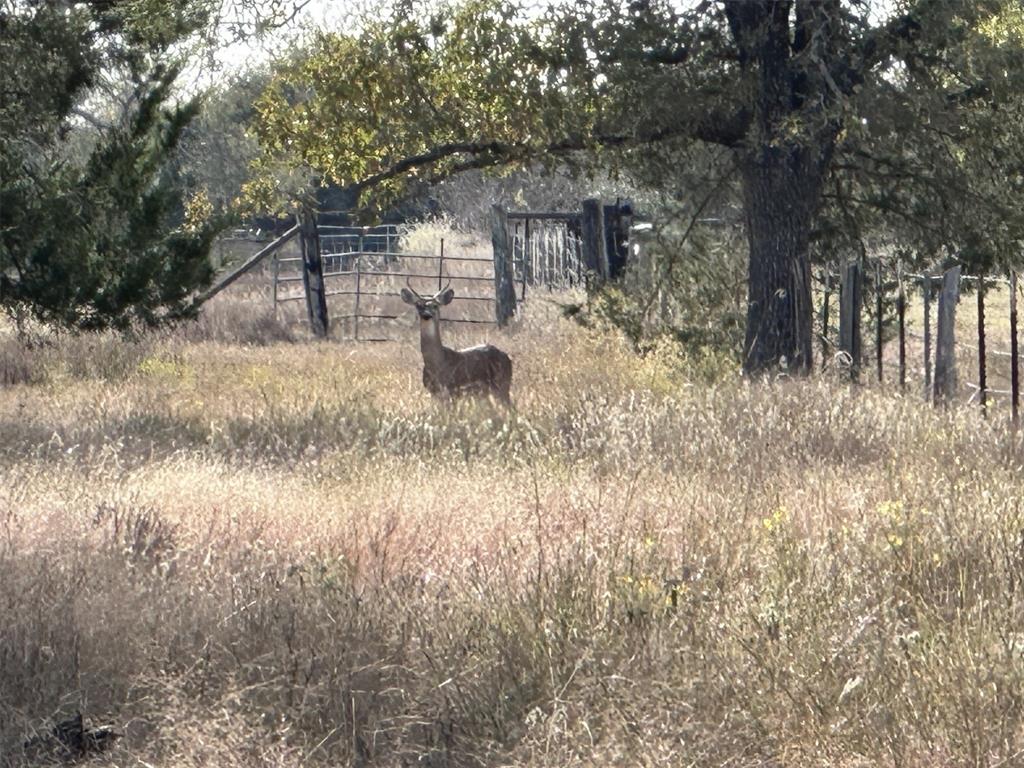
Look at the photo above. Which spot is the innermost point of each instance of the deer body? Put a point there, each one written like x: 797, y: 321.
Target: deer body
x: 484, y: 371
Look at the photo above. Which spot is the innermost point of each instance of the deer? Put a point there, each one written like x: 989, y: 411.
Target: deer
x: 484, y: 371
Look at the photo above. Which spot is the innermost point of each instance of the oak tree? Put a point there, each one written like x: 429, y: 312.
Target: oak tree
x: 844, y: 119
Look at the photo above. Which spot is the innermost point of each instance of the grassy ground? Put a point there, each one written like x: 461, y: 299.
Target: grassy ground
x: 286, y: 554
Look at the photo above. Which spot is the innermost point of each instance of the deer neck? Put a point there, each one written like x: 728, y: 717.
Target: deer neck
x: 430, y: 343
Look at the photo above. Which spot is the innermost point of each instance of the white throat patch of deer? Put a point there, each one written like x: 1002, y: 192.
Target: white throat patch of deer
x: 484, y: 371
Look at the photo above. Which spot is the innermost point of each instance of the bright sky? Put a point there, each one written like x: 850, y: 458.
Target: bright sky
x: 316, y: 14
x: 332, y: 14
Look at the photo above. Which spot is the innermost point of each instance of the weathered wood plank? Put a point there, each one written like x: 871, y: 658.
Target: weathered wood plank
x: 246, y: 266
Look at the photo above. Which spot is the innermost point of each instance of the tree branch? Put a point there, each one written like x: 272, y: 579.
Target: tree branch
x: 726, y: 129
x: 434, y: 155
x: 90, y: 118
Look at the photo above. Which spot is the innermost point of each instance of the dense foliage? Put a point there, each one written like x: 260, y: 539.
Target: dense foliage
x: 94, y: 234
x: 843, y: 124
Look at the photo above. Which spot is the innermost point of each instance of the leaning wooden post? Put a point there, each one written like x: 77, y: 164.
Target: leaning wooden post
x: 945, y: 338
x: 504, y: 281
x: 849, y: 316
x: 595, y: 255
x: 927, y: 337
x: 878, y: 319
x: 982, y: 373
x: 313, y: 273
x: 1014, y: 355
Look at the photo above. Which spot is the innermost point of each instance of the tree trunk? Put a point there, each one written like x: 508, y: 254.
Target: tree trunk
x: 782, y: 189
x: 785, y: 50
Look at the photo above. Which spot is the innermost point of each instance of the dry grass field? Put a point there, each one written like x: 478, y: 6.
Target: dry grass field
x: 245, y: 549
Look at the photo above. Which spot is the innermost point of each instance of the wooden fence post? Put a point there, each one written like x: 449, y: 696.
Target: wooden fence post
x: 849, y: 316
x: 901, y: 313
x: 1014, y: 354
x: 982, y: 373
x: 945, y: 338
x: 504, y: 283
x: 927, y: 289
x: 313, y: 273
x: 824, y: 315
x: 878, y: 319
x: 595, y: 255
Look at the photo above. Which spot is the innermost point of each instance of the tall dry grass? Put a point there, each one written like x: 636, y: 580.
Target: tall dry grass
x: 286, y: 554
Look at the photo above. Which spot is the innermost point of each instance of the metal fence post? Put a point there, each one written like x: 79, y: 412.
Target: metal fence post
x: 359, y: 289
x: 275, y: 272
x: 440, y: 266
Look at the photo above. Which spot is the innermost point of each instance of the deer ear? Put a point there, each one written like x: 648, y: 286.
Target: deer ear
x: 446, y: 297
x: 407, y: 296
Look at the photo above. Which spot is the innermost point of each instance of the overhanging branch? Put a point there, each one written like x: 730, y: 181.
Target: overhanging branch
x: 726, y: 129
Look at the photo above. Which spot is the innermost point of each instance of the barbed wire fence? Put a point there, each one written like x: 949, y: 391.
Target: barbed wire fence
x: 920, y: 310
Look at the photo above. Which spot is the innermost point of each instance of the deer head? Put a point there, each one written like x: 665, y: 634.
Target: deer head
x: 428, y: 308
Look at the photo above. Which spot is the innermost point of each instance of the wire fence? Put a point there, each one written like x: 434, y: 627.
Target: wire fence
x: 926, y: 333
x: 547, y: 251
x: 338, y: 244
x: 364, y: 285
